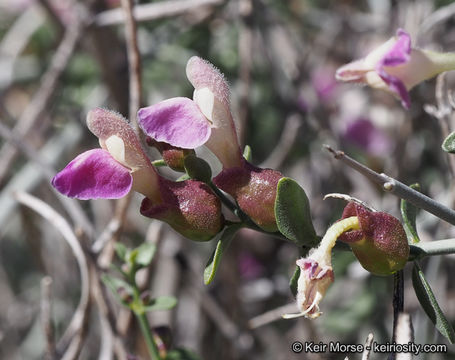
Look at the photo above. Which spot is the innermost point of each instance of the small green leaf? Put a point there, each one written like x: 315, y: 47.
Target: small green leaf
x: 409, y: 213
x: 429, y: 303
x: 294, y: 280
x: 197, y: 168
x: 145, y: 253
x: 448, y: 144
x: 224, y: 239
x: 181, y: 354
x: 161, y: 303
x: 120, y: 250
x: 292, y: 212
x: 247, y: 153
x: 121, y: 290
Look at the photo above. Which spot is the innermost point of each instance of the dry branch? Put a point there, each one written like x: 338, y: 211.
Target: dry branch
x: 71, y: 342
x: 147, y: 12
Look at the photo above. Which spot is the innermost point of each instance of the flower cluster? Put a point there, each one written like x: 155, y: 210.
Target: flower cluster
x: 175, y: 127
x: 207, y: 120
x: 121, y: 166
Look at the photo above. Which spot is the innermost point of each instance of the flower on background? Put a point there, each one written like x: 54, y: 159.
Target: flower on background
x: 120, y: 166
x: 323, y: 82
x: 207, y: 120
x: 380, y: 243
x: 364, y: 134
x: 396, y: 67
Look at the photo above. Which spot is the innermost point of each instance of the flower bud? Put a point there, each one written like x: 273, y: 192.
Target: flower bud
x: 254, y: 189
x: 189, y: 207
x: 380, y: 244
x: 173, y: 156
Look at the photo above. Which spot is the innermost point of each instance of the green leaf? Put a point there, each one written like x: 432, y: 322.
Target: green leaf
x: 448, y: 144
x: 294, y: 280
x: 409, y: 213
x: 121, y: 290
x: 224, y: 240
x: 197, y: 168
x: 145, y: 253
x: 161, y: 303
x: 181, y: 354
x: 429, y: 303
x: 292, y: 212
x: 120, y: 250
x: 247, y: 153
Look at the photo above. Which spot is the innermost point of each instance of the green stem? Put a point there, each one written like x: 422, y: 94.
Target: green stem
x: 148, y: 337
x: 439, y: 247
x: 224, y: 199
x: 159, y: 162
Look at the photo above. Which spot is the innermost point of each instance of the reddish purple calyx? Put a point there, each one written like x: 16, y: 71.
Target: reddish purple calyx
x: 254, y: 190
x: 190, y: 207
x: 380, y: 244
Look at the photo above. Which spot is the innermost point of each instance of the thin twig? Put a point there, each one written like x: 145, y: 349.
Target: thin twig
x: 367, y: 349
x: 432, y: 248
x: 147, y: 12
x: 41, y: 99
x: 271, y: 316
x: 443, y: 113
x: 398, y: 298
x: 42, y: 161
x: 134, y: 63
x: 288, y: 137
x: 397, y: 188
x: 46, y: 316
x: 442, y: 14
x: 349, y: 198
x: 73, y: 337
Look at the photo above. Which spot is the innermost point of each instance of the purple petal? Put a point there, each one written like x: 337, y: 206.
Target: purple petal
x: 399, y: 54
x: 177, y: 121
x: 94, y: 174
x: 397, y: 86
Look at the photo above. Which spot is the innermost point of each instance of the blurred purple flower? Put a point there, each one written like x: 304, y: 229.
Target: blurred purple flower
x: 250, y: 268
x: 324, y: 82
x: 364, y: 134
x: 396, y: 67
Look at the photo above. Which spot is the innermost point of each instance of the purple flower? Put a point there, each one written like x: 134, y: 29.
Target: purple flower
x: 112, y: 171
x: 207, y: 120
x: 120, y: 166
x: 363, y: 133
x: 396, y: 67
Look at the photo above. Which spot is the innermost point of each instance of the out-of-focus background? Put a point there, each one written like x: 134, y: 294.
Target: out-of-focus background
x: 61, y: 58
